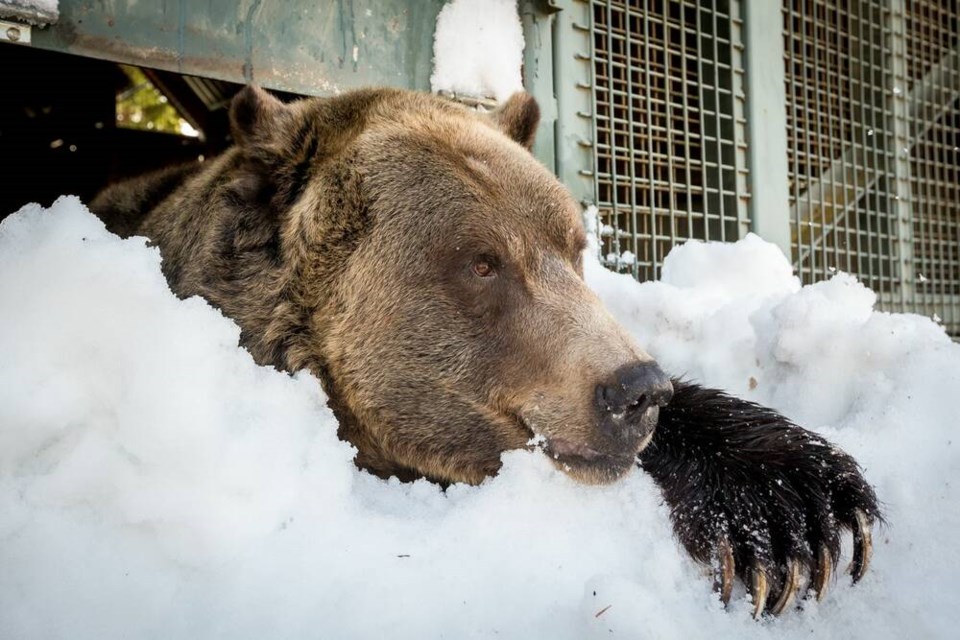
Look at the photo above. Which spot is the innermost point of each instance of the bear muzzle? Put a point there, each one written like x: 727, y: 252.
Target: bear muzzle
x: 626, y: 407
x: 628, y: 404
x: 588, y: 465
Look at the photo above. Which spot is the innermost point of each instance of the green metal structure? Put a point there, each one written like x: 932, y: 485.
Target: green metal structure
x: 307, y: 47
x: 831, y: 129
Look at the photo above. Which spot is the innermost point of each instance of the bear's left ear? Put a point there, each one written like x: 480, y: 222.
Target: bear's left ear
x: 518, y: 117
x: 255, y: 116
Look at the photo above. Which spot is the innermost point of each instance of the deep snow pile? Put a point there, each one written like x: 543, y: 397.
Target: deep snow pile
x: 156, y: 483
x: 478, y: 49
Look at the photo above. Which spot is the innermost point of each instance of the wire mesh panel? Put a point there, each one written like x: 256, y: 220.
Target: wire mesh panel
x: 840, y: 141
x: 871, y: 91
x: 933, y: 88
x: 667, y: 111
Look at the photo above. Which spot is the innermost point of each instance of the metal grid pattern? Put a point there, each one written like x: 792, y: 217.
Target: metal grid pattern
x: 667, y: 117
x: 932, y: 53
x: 840, y: 141
x: 871, y: 93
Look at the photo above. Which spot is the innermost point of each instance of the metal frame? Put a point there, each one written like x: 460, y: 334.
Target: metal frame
x: 659, y: 147
x: 767, y: 124
x: 851, y: 144
x: 299, y: 46
x: 873, y: 100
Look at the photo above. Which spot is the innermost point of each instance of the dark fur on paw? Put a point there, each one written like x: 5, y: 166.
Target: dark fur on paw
x: 761, y: 497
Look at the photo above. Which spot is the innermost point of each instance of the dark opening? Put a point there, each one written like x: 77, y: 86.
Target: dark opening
x: 59, y: 130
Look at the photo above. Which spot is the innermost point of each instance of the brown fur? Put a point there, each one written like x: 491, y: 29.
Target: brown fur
x: 415, y: 257
x: 341, y: 234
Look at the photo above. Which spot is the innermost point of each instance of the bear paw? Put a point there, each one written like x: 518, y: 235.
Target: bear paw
x: 758, y: 497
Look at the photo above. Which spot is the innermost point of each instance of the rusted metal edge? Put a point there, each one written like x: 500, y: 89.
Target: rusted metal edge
x: 14, y: 10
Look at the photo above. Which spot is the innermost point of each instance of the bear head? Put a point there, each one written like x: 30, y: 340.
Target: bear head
x: 437, y: 270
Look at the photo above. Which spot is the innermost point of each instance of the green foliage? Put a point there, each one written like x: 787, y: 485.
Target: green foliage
x: 142, y: 106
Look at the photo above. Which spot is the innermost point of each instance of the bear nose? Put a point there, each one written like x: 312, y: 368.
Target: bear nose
x: 634, y: 389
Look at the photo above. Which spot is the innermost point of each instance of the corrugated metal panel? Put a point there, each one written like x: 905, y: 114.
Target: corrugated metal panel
x: 215, y: 94
x: 301, y: 46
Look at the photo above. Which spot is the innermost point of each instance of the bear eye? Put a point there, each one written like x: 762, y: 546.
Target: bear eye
x: 483, y: 267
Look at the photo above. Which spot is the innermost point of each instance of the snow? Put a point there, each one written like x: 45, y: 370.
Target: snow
x: 156, y: 483
x: 627, y: 258
x: 478, y: 49
x: 49, y: 6
x: 34, y: 11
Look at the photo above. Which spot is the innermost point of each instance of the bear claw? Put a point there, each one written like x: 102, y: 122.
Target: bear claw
x: 790, y: 588
x: 726, y: 572
x: 765, y: 498
x: 862, y: 545
x: 822, y: 573
x: 759, y: 589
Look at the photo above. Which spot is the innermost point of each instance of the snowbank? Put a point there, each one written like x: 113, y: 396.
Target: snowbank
x: 39, y: 12
x: 156, y: 483
x: 478, y: 49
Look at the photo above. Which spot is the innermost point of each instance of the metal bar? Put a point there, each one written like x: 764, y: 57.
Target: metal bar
x: 650, y: 168
x: 700, y: 98
x: 792, y: 146
x: 614, y: 204
x: 834, y: 75
x: 924, y: 221
x: 948, y: 198
x: 953, y: 198
x: 839, y: 75
x: 742, y: 174
x: 671, y: 198
x: 885, y: 250
x: 810, y: 263
x: 688, y: 133
x: 873, y: 206
x: 538, y: 75
x: 857, y: 57
x: 301, y: 47
x: 902, y: 205
x: 934, y: 207
x: 634, y: 231
x: 574, y: 78
x: 716, y: 123
x: 820, y: 117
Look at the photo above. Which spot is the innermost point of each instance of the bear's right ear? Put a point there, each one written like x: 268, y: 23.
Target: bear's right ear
x: 518, y: 117
x: 255, y: 116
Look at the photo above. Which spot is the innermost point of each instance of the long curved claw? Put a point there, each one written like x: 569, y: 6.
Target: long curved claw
x: 727, y: 572
x: 790, y: 587
x: 822, y: 573
x: 862, y: 545
x: 759, y: 589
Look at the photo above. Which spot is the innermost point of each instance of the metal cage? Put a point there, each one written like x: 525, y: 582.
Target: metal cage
x: 674, y: 118
x: 664, y: 124
x: 873, y: 108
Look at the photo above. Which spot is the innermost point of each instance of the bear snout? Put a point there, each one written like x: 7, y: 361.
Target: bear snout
x: 628, y: 403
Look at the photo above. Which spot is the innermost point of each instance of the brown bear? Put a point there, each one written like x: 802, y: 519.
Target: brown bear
x: 414, y: 256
